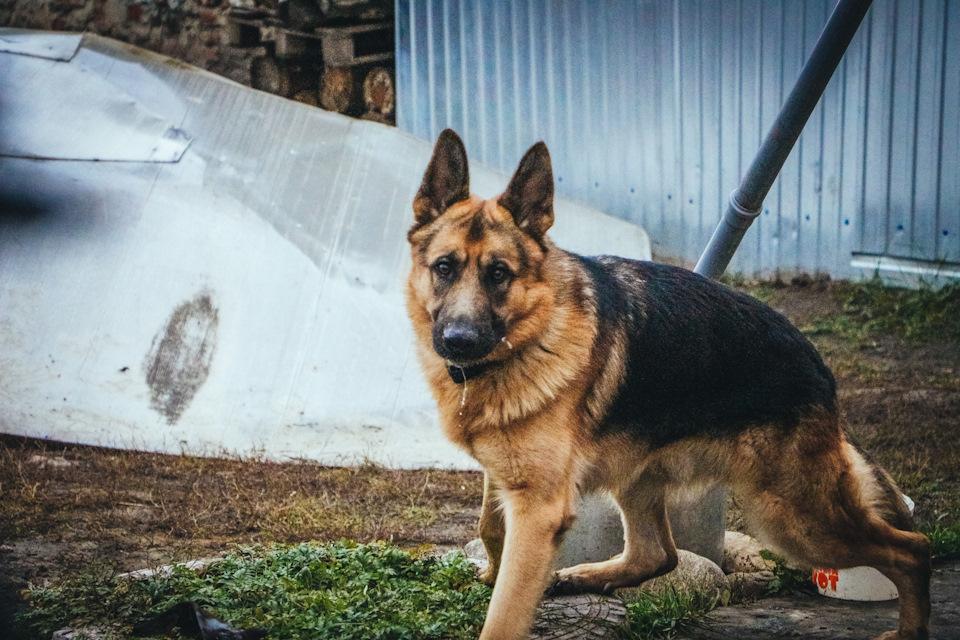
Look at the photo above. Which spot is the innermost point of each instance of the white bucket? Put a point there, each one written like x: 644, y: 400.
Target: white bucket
x: 856, y: 583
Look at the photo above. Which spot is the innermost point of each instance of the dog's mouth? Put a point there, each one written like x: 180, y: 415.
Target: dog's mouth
x: 463, y: 363
x: 461, y: 373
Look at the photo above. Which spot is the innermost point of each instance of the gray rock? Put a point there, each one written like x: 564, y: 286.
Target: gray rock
x: 477, y: 554
x: 694, y: 574
x: 579, y: 617
x: 167, y: 570
x: 741, y: 554
x: 51, y: 461
x: 475, y: 550
x: 83, y: 633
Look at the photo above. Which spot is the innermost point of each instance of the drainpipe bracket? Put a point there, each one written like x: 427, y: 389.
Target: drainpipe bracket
x: 739, y: 216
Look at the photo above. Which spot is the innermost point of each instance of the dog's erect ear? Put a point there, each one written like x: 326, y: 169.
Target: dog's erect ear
x: 529, y: 196
x: 446, y: 180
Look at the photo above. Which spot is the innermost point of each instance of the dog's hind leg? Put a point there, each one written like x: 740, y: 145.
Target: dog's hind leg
x: 492, y: 531
x: 648, y: 550
x: 825, y: 505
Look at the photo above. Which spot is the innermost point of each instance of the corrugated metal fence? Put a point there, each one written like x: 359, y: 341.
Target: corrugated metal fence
x: 653, y: 109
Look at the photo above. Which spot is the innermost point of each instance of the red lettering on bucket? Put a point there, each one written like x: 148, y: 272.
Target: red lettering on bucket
x: 824, y: 577
x: 820, y: 579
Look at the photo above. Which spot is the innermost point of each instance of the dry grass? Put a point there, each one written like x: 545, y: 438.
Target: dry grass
x: 126, y: 499
x: 68, y: 507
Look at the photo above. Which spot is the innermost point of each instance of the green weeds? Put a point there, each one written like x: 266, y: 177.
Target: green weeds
x: 944, y: 539
x: 870, y: 308
x: 308, y: 591
x: 788, y: 578
x: 665, y: 616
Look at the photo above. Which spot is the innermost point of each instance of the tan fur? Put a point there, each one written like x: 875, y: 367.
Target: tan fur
x: 534, y: 424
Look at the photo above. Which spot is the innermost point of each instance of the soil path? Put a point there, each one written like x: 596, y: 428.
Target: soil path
x: 813, y: 616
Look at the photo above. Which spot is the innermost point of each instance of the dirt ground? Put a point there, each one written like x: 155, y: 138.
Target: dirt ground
x: 66, y: 507
x: 813, y: 616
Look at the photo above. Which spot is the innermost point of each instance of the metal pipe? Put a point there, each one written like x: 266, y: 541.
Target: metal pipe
x: 746, y: 201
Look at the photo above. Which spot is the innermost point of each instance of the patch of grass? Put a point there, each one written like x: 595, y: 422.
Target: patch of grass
x: 665, y: 616
x: 863, y: 370
x: 944, y: 539
x: 946, y: 380
x: 310, y: 591
x: 762, y: 290
x: 870, y: 307
x: 842, y: 326
x: 788, y: 579
x: 422, y: 515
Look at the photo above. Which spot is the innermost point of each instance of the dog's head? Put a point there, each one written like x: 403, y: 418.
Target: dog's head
x: 476, y: 278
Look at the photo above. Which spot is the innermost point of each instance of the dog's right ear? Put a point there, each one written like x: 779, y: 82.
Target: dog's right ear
x: 446, y: 180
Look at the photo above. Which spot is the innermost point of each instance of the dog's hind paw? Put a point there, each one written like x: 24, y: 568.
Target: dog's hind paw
x: 487, y: 575
x: 570, y: 585
x: 562, y: 587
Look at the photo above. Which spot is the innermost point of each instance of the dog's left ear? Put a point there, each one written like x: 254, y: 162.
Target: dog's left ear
x: 446, y: 180
x: 529, y: 196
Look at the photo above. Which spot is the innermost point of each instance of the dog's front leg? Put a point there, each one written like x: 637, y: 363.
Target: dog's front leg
x: 536, y: 522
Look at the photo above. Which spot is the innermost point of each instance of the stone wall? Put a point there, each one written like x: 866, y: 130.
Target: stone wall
x: 194, y: 31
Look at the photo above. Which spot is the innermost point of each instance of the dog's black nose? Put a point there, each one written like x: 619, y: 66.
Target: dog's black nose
x: 463, y: 340
x: 460, y: 340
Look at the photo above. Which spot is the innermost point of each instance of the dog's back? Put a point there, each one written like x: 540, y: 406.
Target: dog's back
x: 702, y: 358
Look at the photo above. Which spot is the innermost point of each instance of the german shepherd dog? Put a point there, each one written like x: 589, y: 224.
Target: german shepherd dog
x: 562, y: 374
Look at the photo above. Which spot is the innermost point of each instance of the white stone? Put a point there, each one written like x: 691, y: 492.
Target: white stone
x: 83, y: 633
x: 694, y: 574
x: 477, y: 554
x: 741, y: 554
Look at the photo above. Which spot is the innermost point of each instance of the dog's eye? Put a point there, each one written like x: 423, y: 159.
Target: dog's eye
x: 443, y: 268
x: 499, y: 273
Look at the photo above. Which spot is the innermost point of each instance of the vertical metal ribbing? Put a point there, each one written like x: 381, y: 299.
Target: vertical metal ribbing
x: 747, y: 200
